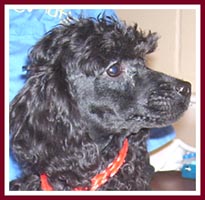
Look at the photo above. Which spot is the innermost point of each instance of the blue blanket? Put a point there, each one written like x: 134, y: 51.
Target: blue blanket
x: 26, y: 27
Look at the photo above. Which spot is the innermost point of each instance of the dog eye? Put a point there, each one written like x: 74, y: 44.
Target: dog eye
x: 114, y: 70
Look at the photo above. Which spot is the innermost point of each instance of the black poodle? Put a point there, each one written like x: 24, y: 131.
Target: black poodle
x: 82, y: 119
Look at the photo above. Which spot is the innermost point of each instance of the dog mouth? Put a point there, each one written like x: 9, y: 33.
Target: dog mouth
x: 164, y: 105
x: 155, y: 119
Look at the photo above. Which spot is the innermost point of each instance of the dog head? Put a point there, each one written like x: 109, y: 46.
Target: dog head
x: 90, y: 78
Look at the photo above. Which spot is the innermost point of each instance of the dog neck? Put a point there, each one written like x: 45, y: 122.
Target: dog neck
x: 101, y: 178
x: 104, y: 139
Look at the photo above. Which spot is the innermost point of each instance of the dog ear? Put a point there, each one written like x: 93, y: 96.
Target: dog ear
x: 45, y: 123
x: 43, y: 117
x: 48, y: 132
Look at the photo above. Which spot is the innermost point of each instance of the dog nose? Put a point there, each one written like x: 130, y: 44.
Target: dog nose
x: 183, y: 88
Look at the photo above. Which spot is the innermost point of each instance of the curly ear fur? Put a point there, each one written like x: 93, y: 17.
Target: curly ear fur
x: 43, y: 129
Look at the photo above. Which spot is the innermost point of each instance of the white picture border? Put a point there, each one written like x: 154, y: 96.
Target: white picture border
x: 121, y: 193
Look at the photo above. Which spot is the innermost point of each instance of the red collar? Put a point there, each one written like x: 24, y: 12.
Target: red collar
x: 100, y: 178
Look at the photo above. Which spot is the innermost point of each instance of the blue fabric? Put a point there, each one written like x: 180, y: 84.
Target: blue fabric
x: 25, y: 29
x: 160, y: 137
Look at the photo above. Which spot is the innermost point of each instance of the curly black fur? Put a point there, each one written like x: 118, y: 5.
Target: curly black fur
x: 88, y: 89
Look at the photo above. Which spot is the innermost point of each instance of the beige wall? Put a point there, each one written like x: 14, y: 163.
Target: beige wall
x: 175, y: 54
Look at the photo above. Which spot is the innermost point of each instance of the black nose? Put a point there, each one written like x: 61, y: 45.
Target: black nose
x: 183, y: 88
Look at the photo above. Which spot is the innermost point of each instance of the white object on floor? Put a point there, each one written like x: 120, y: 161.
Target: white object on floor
x: 170, y: 157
